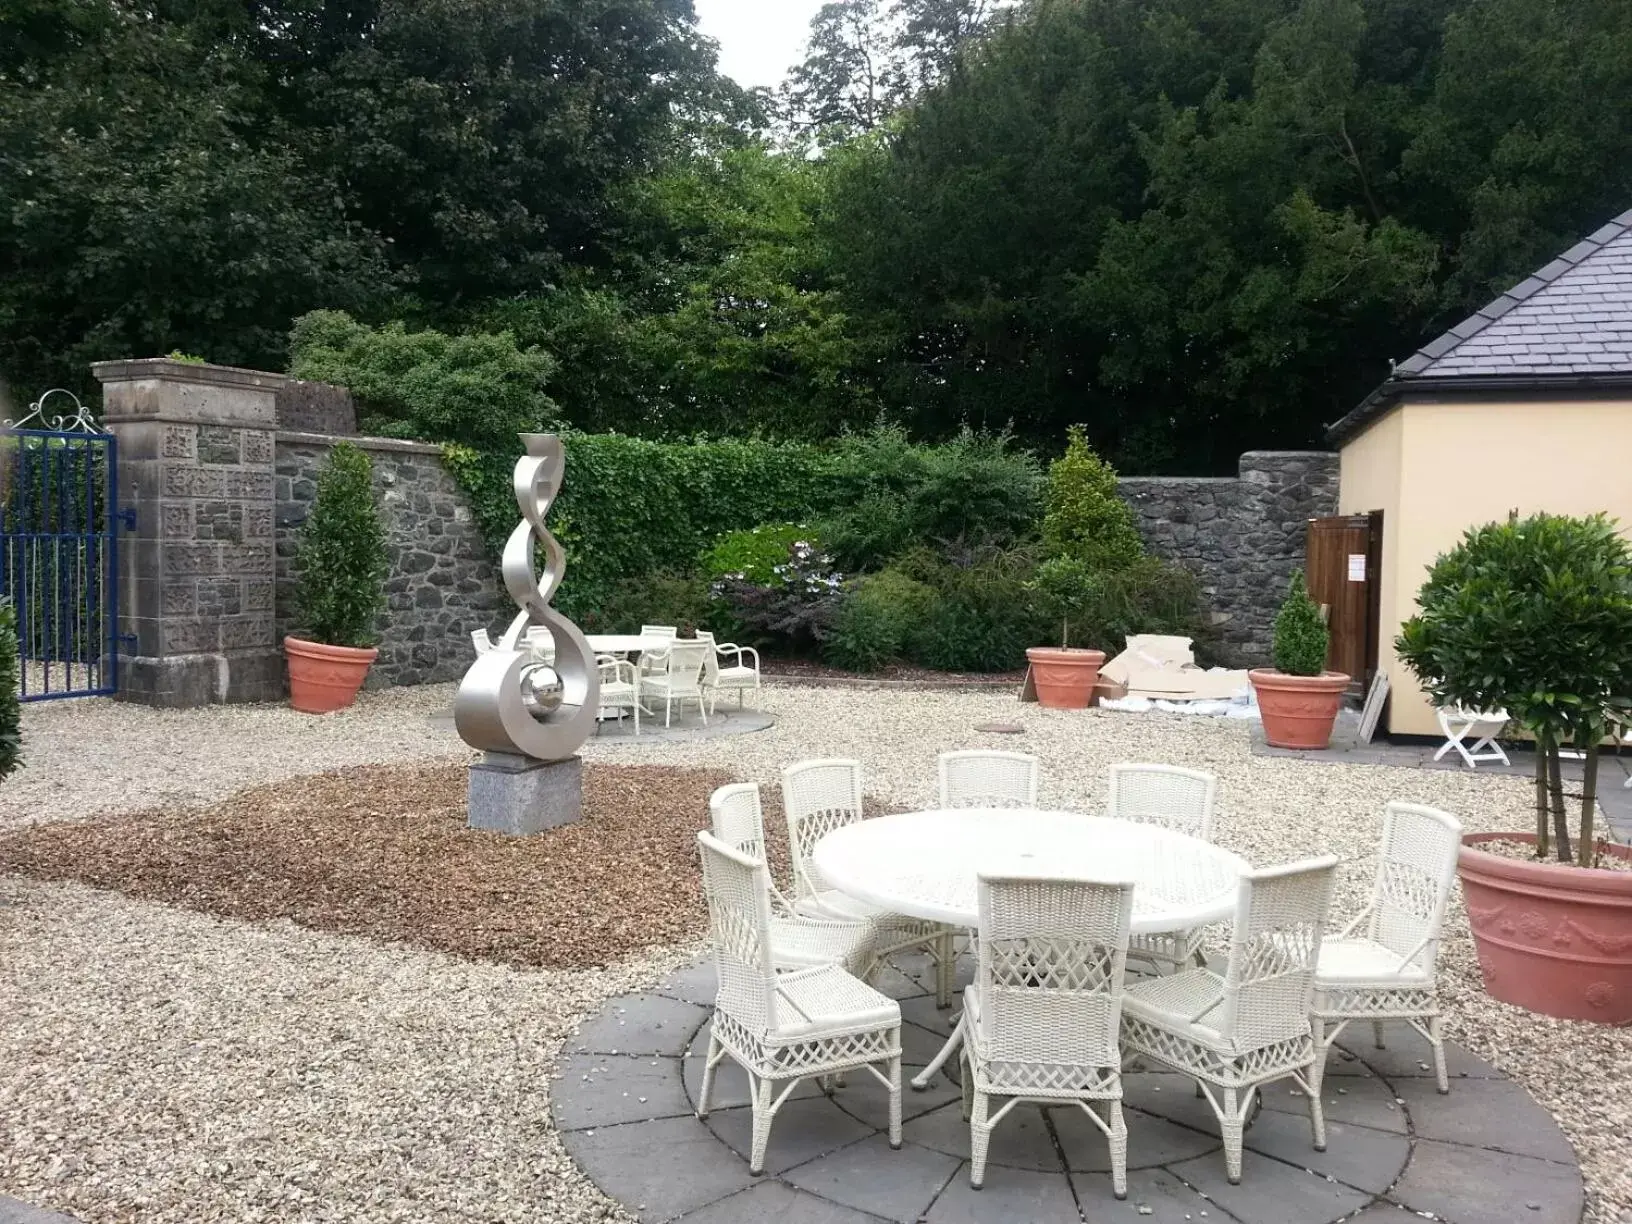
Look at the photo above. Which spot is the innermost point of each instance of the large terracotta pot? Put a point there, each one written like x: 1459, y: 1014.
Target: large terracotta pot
x: 323, y: 678
x: 1552, y: 938
x: 1064, y: 678
x: 1298, y: 711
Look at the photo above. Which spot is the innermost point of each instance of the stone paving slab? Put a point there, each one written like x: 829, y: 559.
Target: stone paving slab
x: 1397, y: 1150
x: 14, y: 1212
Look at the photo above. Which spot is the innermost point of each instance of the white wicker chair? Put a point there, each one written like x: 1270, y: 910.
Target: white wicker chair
x: 620, y: 688
x: 1387, y: 973
x: 741, y: 675
x: 481, y: 641
x: 784, y: 1029
x: 820, y: 796
x: 680, y: 678
x: 541, y: 645
x: 1235, y: 1033
x: 1481, y: 726
x: 988, y: 779
x: 1174, y: 798
x: 1042, y: 1020
x: 651, y: 661
x: 798, y: 941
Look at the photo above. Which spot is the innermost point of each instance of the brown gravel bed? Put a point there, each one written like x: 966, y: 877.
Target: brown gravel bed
x: 383, y: 852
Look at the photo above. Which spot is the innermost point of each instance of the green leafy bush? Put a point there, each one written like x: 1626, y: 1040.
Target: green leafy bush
x: 341, y: 558
x: 1084, y: 516
x: 875, y: 620
x: 980, y: 619
x: 754, y: 554
x: 1534, y: 616
x: 665, y: 598
x: 1063, y: 590
x: 1301, y: 636
x: 795, y: 609
x: 11, y: 718
x: 480, y: 389
x: 1149, y: 596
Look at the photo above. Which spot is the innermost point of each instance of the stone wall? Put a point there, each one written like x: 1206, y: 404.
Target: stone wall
x: 1242, y: 537
x: 315, y: 407
x: 444, y: 582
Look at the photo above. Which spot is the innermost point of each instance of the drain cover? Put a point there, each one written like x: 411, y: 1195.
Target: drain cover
x: 1000, y: 728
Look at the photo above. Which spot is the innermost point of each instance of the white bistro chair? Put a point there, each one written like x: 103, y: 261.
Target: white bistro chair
x: 742, y: 675
x: 1042, y: 1019
x: 1174, y: 798
x: 784, y: 1029
x: 1234, y: 1034
x: 1481, y: 726
x: 1387, y: 972
x: 988, y: 779
x: 677, y: 676
x: 620, y: 688
x: 798, y: 941
x: 820, y: 796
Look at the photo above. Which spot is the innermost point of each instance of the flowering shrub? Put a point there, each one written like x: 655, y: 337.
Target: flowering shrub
x: 795, y: 607
x: 756, y: 553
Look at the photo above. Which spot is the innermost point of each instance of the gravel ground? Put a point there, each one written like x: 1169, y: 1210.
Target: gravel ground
x: 257, y: 1002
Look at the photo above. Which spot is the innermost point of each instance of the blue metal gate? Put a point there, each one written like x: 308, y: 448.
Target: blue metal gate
x: 59, y: 551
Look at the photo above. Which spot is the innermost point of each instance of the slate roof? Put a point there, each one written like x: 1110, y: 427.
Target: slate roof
x: 1570, y: 321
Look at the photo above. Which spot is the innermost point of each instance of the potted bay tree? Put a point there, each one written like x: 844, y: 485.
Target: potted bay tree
x: 1535, y: 616
x: 1298, y: 698
x: 342, y: 566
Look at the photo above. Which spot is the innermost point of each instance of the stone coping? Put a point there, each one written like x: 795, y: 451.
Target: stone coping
x: 138, y: 368
x: 625, y: 1089
x: 399, y: 446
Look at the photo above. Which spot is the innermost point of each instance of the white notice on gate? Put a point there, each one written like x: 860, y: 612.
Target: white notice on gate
x: 1357, y: 567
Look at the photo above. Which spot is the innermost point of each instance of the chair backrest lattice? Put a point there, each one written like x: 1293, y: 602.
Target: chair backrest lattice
x: 683, y: 665
x: 739, y: 918
x: 1280, y: 916
x: 1167, y: 795
x: 819, y: 796
x: 659, y: 631
x: 988, y: 779
x: 738, y: 818
x: 1416, y: 867
x: 1051, y: 958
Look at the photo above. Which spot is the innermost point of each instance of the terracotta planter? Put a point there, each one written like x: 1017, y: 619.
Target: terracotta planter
x: 322, y: 678
x: 1298, y: 711
x: 1551, y: 938
x: 1064, y: 678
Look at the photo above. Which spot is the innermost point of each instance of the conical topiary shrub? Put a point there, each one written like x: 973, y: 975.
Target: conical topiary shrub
x: 1298, y: 698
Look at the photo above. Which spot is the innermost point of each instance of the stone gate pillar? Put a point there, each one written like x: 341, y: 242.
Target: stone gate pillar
x: 196, y: 574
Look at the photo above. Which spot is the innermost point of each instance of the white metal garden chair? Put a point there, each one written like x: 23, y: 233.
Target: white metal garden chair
x: 784, y: 1029
x: 798, y: 941
x: 680, y: 678
x: 620, y: 688
x: 1388, y: 972
x: 481, y: 641
x: 820, y: 796
x: 1042, y: 1019
x: 1235, y: 1033
x: 1482, y: 726
x: 1174, y: 798
x: 741, y: 675
x: 981, y: 778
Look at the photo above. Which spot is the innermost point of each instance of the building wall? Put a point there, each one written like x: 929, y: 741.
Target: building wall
x: 1371, y: 481
x: 443, y: 582
x: 1242, y: 537
x: 1463, y: 464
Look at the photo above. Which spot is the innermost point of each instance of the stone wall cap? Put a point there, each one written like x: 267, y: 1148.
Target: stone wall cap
x: 398, y: 445
x: 140, y: 368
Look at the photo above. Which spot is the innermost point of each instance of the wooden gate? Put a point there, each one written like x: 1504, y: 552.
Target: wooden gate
x: 1342, y: 564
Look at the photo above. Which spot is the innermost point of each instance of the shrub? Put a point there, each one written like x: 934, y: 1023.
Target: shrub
x: 665, y: 598
x: 481, y: 389
x: 1084, y: 517
x: 1064, y: 588
x: 980, y: 620
x: 754, y: 554
x: 341, y: 557
x: 875, y: 619
x: 11, y: 718
x: 1534, y: 616
x: 792, y: 612
x: 1149, y: 596
x: 1301, y: 636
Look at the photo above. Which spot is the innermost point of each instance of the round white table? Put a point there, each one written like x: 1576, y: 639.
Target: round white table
x: 925, y: 865
x: 624, y: 643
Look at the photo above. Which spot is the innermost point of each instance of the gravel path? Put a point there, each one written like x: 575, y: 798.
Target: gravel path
x: 161, y: 1045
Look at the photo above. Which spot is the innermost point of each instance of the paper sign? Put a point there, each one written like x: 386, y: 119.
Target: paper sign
x: 1357, y: 567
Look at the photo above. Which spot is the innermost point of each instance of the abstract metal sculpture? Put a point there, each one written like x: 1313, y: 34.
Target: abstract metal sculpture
x: 508, y: 702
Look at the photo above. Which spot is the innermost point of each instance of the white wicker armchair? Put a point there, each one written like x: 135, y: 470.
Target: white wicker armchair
x: 1387, y: 973
x: 742, y: 674
x: 1235, y: 1033
x: 651, y: 661
x: 1042, y: 1019
x: 784, y: 1029
x: 480, y: 639
x: 798, y: 941
x: 988, y: 779
x: 820, y: 796
x: 1174, y: 798
x: 620, y: 688
x: 677, y: 676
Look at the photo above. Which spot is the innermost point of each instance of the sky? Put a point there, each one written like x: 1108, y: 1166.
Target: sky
x: 759, y: 39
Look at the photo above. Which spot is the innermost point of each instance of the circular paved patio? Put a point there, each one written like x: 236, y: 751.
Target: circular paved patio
x: 626, y: 1087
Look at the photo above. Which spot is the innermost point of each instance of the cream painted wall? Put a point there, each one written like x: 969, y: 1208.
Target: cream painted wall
x: 1462, y: 464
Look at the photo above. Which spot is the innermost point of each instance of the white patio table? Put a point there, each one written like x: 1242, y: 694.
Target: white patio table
x: 623, y: 643
x: 924, y: 865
